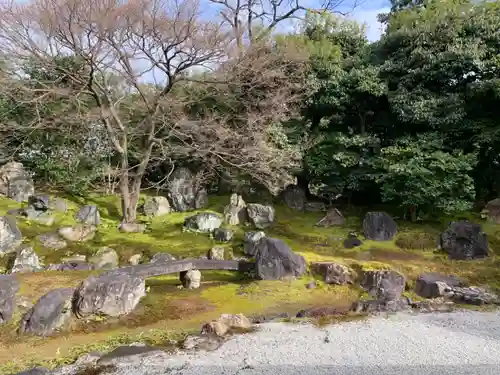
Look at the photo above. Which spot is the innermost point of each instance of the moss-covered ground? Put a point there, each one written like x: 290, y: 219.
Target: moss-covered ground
x: 167, y: 312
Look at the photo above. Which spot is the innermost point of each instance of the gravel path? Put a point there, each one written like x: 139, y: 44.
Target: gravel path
x: 456, y: 344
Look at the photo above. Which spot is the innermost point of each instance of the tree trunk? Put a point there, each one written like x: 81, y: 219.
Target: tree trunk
x: 303, y: 182
x: 413, y: 213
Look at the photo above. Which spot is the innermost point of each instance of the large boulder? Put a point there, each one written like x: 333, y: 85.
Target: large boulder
x: 251, y: 242
x: 464, y: 240
x: 334, y: 273
x: 261, y: 216
x: 112, y: 294
x: 51, y: 313
x: 10, y: 236
x: 26, y: 260
x: 184, y: 192
x: 332, y: 218
x: 204, y: 222
x: 275, y: 260
x: 294, y: 197
x: 156, y: 206
x: 16, y: 182
x: 379, y: 226
x: 434, y: 285
x: 384, y: 285
x: 88, y: 215
x: 9, y: 287
x: 78, y: 232
x: 235, y: 212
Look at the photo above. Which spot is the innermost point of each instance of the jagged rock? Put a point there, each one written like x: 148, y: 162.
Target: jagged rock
x: 352, y: 241
x: 379, y: 226
x: 39, y: 202
x: 334, y: 273
x: 113, y: 294
x: 332, y: 218
x: 156, y: 206
x: 464, y: 240
x: 183, y: 191
x: 10, y: 235
x: 216, y: 253
x: 131, y: 228
x: 275, y: 260
x: 294, y: 197
x: 26, y: 260
x: 223, y: 234
x: 472, y: 296
x: 70, y: 266
x: 9, y: 287
x: 260, y: 216
x: 205, y: 222
x: 251, y: 241
x: 190, y: 279
x: 385, y: 285
x: 51, y: 313
x: 52, y: 241
x: 78, y: 233
x: 16, y: 182
x: 235, y: 213
x: 88, y: 215
x: 105, y: 258
x: 162, y: 257
x: 433, y: 285
x: 135, y: 259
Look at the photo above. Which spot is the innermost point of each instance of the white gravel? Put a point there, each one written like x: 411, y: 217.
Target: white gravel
x: 456, y: 344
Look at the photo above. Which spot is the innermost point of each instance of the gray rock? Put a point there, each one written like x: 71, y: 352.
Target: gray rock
x: 385, y: 285
x: 235, y: 213
x: 26, y: 260
x: 260, y: 216
x: 52, y: 241
x: 113, y: 294
x: 162, y: 257
x: 464, y: 240
x: 8, y: 172
x: 183, y: 191
x: 379, y: 226
x: 20, y: 189
x: 105, y: 258
x: 332, y: 218
x: 40, y: 217
x: 10, y: 235
x: 39, y: 202
x: 472, y: 296
x: 205, y: 222
x: 334, y: 273
x: 70, y: 266
x: 275, y: 260
x: 51, y: 313
x: 58, y: 205
x: 433, y: 285
x: 88, y: 215
x: 251, y: 241
x: 294, y: 197
x: 216, y: 253
x: 131, y: 228
x: 156, y: 206
x: 203, y: 342
x: 352, y: 241
x: 190, y: 279
x: 382, y: 306
x: 9, y: 287
x: 78, y: 232
x: 35, y: 371
x: 223, y: 234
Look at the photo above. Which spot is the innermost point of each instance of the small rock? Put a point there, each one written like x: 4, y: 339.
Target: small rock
x: 88, y: 215
x: 135, y: 259
x: 10, y: 235
x: 162, y: 257
x: 311, y: 284
x: 379, y: 226
x: 332, y: 218
x: 191, y: 279
x: 52, y: 241
x: 235, y: 213
x: 260, y: 216
x: 156, y: 206
x: 26, y: 260
x: 131, y: 228
x: 433, y: 285
x: 205, y: 222
x: 9, y: 287
x: 225, y: 323
x: 112, y: 294
x: 216, y: 253
x: 251, y: 241
x: 214, y: 328
x: 223, y: 234
x: 78, y: 233
x: 203, y: 342
x: 105, y: 258
x: 352, y: 241
x: 334, y: 273
x: 51, y: 313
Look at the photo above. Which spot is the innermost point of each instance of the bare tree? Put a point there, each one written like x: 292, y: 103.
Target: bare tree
x: 118, y: 44
x: 245, y: 17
